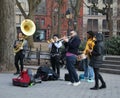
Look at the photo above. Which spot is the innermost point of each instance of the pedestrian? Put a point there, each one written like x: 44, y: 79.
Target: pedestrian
x: 55, y: 46
x: 20, y: 46
x: 96, y: 61
x: 72, y: 46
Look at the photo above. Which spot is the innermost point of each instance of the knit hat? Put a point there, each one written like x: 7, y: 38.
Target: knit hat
x: 91, y: 33
x: 56, y: 35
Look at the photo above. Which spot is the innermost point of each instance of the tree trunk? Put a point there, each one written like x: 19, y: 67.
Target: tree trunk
x: 109, y: 21
x: 59, y: 17
x: 7, y: 34
x: 30, y: 38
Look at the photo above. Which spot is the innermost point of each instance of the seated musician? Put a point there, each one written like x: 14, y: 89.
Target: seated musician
x: 20, y: 45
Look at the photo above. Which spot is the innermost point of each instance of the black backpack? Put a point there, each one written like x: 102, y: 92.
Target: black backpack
x: 46, y: 73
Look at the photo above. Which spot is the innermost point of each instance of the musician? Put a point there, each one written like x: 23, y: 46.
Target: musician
x: 55, y: 54
x: 72, y: 46
x: 88, y: 70
x: 20, y: 46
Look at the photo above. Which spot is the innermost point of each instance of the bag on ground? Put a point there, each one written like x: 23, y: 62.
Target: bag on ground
x: 45, y: 73
x: 22, y: 80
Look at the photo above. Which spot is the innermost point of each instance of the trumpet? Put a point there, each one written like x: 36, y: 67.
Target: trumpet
x: 61, y: 39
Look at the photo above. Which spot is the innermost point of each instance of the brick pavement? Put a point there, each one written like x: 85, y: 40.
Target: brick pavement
x: 59, y: 89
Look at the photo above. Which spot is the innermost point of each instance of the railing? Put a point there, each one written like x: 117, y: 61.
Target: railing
x: 36, y: 55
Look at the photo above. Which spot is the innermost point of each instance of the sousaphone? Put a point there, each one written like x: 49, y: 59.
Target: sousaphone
x: 28, y: 27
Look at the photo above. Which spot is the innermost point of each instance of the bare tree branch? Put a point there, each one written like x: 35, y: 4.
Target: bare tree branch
x: 71, y: 3
x: 36, y: 4
x: 21, y: 9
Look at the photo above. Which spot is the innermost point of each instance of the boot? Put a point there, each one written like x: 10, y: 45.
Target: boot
x: 102, y: 86
x: 94, y: 88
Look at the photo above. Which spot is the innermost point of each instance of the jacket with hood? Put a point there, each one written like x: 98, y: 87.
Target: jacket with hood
x: 97, y: 53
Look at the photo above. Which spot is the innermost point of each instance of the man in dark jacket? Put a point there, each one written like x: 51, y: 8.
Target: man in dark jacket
x: 96, y: 61
x: 72, y: 46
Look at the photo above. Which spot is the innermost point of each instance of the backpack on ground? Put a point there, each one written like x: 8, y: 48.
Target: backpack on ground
x: 67, y: 77
x: 45, y: 73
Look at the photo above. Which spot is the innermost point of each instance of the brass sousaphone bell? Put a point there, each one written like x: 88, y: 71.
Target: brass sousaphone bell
x: 28, y: 27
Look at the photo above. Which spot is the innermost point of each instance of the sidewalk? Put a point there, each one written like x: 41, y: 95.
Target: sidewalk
x: 59, y: 89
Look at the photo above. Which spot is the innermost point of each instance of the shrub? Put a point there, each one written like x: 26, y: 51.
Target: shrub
x: 113, y: 45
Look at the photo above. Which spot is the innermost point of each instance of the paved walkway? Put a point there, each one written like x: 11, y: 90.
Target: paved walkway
x: 59, y: 89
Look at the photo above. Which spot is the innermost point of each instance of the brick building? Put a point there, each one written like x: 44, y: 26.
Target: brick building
x: 47, y: 22
x: 46, y: 19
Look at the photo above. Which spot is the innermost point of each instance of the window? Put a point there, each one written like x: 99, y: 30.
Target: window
x: 93, y: 1
x: 118, y: 9
x: 37, y: 23
x: 92, y: 11
x: 104, y: 25
x: 118, y: 33
x: 108, y: 1
x: 106, y: 34
x: 92, y: 24
x: 118, y: 25
x: 40, y: 35
x: 18, y: 18
x: 42, y: 22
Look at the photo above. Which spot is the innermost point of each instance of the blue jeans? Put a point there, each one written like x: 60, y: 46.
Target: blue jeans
x: 88, y: 70
x: 70, y: 63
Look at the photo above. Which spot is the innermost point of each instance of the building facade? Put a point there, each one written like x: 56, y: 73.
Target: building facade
x: 46, y: 19
x: 96, y: 21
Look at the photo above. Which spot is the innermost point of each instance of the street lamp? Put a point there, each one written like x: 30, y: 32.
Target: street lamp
x: 69, y: 16
x: 75, y: 23
x: 48, y: 27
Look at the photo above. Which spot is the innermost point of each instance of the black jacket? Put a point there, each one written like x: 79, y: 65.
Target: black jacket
x: 97, y: 53
x: 73, y: 45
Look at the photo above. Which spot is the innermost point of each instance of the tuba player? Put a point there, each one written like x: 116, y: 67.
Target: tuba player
x: 20, y: 46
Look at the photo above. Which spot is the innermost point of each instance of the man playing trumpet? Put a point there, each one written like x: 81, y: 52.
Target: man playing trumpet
x: 55, y: 46
x: 72, y: 46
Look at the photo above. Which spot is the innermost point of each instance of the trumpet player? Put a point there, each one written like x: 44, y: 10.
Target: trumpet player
x: 20, y: 45
x: 55, y: 46
x: 72, y: 46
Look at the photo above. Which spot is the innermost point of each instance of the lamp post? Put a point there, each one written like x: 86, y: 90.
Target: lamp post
x: 48, y: 27
x: 69, y: 16
x: 75, y: 23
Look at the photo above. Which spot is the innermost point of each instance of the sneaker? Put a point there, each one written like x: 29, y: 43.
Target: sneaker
x: 76, y: 83
x: 69, y: 83
x: 90, y: 80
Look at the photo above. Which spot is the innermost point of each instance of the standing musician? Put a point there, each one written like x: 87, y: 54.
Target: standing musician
x: 55, y: 54
x: 20, y: 46
x: 72, y: 45
x: 88, y: 70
